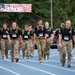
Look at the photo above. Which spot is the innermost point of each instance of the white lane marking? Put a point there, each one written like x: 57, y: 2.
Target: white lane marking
x: 36, y: 69
x: 54, y: 55
x: 33, y: 68
x: 59, y: 62
x: 73, y: 57
x: 54, y: 66
x: 9, y: 70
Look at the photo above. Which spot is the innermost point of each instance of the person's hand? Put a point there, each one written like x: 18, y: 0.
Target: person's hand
x: 34, y: 42
x: 60, y: 45
x: 10, y: 41
x: 51, y: 42
x: 21, y: 41
x: 44, y: 40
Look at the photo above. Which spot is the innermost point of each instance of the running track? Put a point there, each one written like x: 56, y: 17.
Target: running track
x: 31, y: 66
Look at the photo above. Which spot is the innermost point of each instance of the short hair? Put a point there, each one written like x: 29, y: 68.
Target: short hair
x: 38, y: 20
x: 68, y: 21
x: 4, y: 23
x: 26, y: 25
x: 14, y: 22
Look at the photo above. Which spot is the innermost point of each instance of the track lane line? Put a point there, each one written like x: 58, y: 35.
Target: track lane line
x: 53, y: 66
x: 33, y: 68
x: 9, y: 70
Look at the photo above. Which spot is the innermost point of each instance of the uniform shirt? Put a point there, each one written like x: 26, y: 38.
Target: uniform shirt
x: 39, y: 31
x: 31, y: 32
x: 26, y: 35
x: 67, y: 33
x: 4, y: 33
x: 14, y: 33
x: 48, y: 31
x: 56, y: 33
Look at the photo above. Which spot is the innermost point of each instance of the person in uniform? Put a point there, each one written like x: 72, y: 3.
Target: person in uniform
x: 49, y: 38
x: 27, y: 42
x: 56, y: 34
x: 4, y: 40
x: 39, y: 40
x: 24, y: 45
x: 13, y: 39
x: 65, y: 43
x: 20, y: 43
x: 31, y: 30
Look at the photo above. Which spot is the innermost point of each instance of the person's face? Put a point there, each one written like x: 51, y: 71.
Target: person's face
x: 68, y: 24
x: 46, y: 25
x: 30, y: 27
x: 40, y: 22
x: 14, y: 25
x: 4, y: 26
x: 26, y: 28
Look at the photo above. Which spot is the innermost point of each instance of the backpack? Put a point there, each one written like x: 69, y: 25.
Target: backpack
x: 11, y: 30
x: 70, y: 30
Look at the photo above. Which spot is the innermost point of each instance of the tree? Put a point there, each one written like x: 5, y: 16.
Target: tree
x: 62, y: 11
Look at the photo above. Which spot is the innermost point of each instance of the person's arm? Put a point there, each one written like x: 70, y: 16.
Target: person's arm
x: 52, y: 36
x: 8, y: 37
x: 34, y: 35
x: 20, y: 36
x: 73, y: 33
x: 60, y: 38
x: 74, y: 39
x: 34, y: 38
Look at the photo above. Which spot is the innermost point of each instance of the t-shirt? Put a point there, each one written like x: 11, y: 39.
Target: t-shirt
x: 67, y: 33
x: 56, y: 33
x: 4, y: 33
x: 26, y: 35
x: 48, y: 31
x: 39, y: 31
x: 14, y: 33
x: 31, y: 32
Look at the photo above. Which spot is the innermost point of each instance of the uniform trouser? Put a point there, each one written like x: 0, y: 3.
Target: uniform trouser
x: 4, y: 47
x: 27, y: 45
x: 47, y: 47
x: 15, y: 49
x: 67, y: 47
x: 41, y: 48
x: 20, y: 46
x: 32, y: 49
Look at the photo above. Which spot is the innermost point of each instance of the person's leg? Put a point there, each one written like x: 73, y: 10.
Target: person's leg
x: 69, y: 50
x: 3, y: 48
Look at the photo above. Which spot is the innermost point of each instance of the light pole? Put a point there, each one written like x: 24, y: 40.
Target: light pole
x: 51, y: 15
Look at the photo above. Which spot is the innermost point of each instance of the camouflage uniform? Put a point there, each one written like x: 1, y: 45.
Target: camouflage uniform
x: 48, y: 32
x: 67, y: 45
x: 47, y: 48
x: 56, y: 34
x: 14, y: 34
x: 14, y: 49
x: 27, y: 44
x: 32, y: 46
x: 39, y: 31
x: 32, y: 50
x: 27, y: 47
x: 4, y: 43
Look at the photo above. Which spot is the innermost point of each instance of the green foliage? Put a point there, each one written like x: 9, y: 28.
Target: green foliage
x: 62, y: 10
